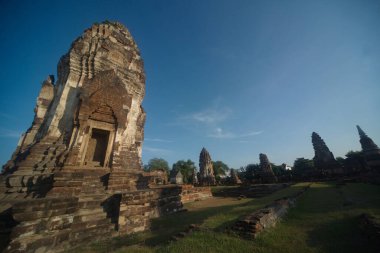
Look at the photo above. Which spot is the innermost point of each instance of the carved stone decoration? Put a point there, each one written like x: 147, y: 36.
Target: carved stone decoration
x: 324, y: 160
x: 234, y: 177
x: 206, y: 170
x: 370, y: 150
x: 266, y: 173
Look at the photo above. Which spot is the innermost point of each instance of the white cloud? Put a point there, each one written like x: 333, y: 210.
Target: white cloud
x: 156, y: 151
x: 211, y: 115
x: 6, y: 133
x: 219, y: 133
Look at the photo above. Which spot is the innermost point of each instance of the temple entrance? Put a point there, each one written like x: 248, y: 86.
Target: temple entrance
x: 97, y: 147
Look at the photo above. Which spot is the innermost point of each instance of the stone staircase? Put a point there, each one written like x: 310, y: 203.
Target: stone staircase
x: 32, y: 176
x: 76, y: 210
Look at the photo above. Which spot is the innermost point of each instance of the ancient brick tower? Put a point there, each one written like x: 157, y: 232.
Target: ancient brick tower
x: 266, y: 173
x: 77, y: 169
x: 370, y: 150
x: 234, y: 177
x: 92, y: 117
x: 206, y: 170
x: 324, y: 159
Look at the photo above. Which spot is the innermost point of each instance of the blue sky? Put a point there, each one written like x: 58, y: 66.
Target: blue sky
x: 237, y: 77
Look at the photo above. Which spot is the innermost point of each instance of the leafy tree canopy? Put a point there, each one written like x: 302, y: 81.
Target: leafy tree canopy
x: 157, y: 163
x: 250, y: 172
x: 303, y: 167
x: 340, y: 160
x: 354, y: 154
x: 220, y: 168
x: 187, y: 168
x: 278, y: 170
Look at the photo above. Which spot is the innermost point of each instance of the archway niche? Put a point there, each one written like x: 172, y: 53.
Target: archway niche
x: 99, y: 139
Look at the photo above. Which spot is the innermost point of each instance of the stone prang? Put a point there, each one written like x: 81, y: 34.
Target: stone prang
x: 234, y: 177
x: 206, y: 170
x: 324, y: 160
x: 370, y: 150
x: 76, y: 174
x: 92, y: 116
x: 266, y: 173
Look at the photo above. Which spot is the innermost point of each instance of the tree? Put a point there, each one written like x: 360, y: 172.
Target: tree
x: 340, y: 160
x: 220, y: 168
x: 278, y: 170
x: 281, y: 173
x: 304, y: 168
x: 250, y: 172
x: 354, y: 154
x: 186, y: 168
x: 355, y: 162
x: 157, y: 163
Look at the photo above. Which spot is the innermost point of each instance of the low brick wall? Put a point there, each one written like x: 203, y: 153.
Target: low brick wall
x: 251, y: 191
x: 190, y: 193
x: 137, y: 208
x: 57, y: 224
x: 253, y: 224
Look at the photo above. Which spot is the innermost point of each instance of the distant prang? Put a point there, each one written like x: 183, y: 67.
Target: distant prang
x: 324, y: 160
x: 267, y: 175
x: 370, y: 150
x: 206, y: 170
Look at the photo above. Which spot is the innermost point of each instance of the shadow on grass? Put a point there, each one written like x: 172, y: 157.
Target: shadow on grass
x: 342, y: 235
x: 163, y: 228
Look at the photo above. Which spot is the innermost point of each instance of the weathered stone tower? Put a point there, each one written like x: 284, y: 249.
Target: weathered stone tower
x: 76, y: 175
x: 324, y: 160
x: 266, y: 173
x: 370, y: 150
x: 92, y: 117
x: 234, y: 177
x: 206, y: 170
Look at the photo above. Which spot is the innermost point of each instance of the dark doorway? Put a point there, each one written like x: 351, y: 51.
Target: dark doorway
x: 97, y: 147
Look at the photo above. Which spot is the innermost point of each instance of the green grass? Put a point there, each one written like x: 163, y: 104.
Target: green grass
x: 325, y: 219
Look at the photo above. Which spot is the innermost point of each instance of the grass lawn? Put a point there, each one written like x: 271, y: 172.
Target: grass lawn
x: 325, y: 219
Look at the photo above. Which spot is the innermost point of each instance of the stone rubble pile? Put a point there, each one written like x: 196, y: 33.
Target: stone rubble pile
x: 253, y: 224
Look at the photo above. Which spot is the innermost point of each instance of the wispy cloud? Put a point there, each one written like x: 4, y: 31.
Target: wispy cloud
x: 157, y: 140
x: 210, y: 115
x: 219, y: 133
x: 157, y: 151
x: 7, y: 133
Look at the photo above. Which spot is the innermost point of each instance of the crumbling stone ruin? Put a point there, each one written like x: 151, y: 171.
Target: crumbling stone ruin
x: 324, y: 160
x: 157, y: 177
x: 76, y: 175
x: 266, y: 173
x: 370, y: 150
x: 194, y: 177
x: 176, y: 177
x: 234, y: 177
x: 253, y: 224
x: 206, y: 170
